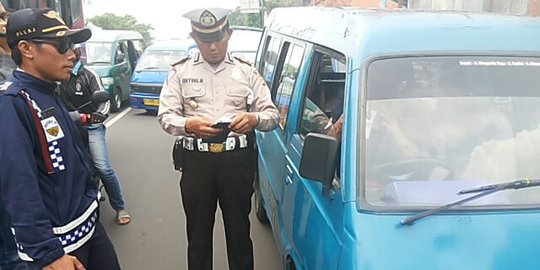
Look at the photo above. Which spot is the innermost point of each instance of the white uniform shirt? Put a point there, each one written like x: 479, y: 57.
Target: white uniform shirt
x: 195, y: 88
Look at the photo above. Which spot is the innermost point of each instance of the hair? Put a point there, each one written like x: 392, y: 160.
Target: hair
x: 16, y: 55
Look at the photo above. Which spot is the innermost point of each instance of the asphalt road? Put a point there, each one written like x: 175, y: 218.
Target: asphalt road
x: 155, y: 239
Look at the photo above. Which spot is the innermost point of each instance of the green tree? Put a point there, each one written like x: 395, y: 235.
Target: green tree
x: 245, y: 19
x: 271, y: 4
x: 254, y: 19
x: 109, y: 21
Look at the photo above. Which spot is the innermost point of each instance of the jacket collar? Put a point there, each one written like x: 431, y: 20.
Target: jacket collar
x: 28, y: 81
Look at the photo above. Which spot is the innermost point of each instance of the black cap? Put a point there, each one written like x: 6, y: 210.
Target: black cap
x: 209, y: 24
x: 26, y: 24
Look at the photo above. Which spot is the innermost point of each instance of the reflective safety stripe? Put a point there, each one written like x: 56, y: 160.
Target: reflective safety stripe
x: 75, y: 223
x: 74, y: 234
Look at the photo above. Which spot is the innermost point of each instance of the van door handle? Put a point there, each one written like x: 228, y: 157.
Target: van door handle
x: 288, y: 180
x: 289, y: 169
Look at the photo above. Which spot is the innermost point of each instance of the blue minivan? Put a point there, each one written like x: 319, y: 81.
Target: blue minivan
x: 407, y: 140
x: 152, y: 68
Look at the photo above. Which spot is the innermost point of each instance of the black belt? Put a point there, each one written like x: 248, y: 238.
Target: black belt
x: 230, y: 144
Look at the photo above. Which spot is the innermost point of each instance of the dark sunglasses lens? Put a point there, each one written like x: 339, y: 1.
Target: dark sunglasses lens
x: 65, y: 45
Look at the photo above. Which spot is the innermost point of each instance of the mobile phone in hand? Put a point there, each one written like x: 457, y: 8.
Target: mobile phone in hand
x: 222, y: 125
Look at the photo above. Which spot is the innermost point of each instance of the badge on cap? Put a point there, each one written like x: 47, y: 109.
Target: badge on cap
x: 54, y: 16
x: 207, y: 18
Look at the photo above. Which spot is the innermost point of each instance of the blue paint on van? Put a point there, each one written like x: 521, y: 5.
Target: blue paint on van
x: 433, y: 103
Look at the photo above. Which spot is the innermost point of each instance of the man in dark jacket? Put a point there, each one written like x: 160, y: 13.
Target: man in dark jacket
x: 77, y: 96
x: 46, y: 174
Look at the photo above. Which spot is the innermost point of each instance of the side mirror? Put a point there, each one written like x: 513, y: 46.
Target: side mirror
x: 99, y: 97
x: 120, y: 58
x: 318, y: 162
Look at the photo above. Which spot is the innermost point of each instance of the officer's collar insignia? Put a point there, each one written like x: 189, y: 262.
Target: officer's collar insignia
x: 207, y: 18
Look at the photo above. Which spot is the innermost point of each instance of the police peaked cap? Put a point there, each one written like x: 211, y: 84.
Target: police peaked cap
x: 209, y: 24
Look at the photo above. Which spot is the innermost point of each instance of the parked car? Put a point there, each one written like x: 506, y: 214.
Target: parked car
x: 152, y: 69
x: 440, y: 117
x: 244, y: 42
x: 113, y: 54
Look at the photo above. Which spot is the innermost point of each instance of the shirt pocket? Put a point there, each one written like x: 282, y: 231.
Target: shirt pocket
x: 237, y: 96
x: 190, y: 92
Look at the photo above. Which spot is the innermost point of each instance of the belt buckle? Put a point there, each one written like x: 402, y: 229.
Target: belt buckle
x: 216, y: 147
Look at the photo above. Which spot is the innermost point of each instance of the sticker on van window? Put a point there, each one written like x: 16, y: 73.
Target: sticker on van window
x: 500, y: 63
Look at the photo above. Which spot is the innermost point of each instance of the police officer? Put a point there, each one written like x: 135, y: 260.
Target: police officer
x: 46, y: 174
x: 215, y: 101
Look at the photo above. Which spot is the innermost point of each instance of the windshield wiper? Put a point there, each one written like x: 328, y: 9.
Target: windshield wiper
x: 485, y: 190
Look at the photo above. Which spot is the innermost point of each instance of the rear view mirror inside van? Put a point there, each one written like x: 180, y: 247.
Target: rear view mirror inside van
x: 318, y: 161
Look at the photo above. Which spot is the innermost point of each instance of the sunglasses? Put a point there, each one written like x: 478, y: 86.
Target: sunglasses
x: 62, y: 46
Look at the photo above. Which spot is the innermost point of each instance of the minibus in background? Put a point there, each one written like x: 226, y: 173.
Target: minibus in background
x: 152, y: 69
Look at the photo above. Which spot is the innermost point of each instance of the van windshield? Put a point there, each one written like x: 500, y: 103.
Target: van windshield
x: 98, y: 53
x: 159, y: 60
x: 436, y: 125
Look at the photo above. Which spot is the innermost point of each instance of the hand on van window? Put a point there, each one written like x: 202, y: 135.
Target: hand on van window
x: 338, y: 127
x: 201, y: 127
x: 244, y: 122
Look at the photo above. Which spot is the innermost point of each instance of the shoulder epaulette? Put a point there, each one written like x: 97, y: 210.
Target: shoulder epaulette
x: 9, y: 88
x: 182, y: 61
x: 242, y: 60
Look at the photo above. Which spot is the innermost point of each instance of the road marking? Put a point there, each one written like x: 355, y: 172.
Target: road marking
x: 117, y: 117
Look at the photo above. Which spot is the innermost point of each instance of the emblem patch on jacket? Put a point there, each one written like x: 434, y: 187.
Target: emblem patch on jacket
x: 52, y: 129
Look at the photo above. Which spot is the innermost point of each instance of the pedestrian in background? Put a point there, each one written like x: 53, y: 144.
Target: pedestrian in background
x: 6, y: 63
x: 76, y: 93
x: 46, y: 174
x: 215, y: 101
x: 9, y: 258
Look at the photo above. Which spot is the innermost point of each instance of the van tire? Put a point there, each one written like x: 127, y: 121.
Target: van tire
x: 260, y: 212
x: 116, y: 100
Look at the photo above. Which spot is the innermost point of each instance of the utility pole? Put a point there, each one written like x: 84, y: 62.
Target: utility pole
x: 261, y: 12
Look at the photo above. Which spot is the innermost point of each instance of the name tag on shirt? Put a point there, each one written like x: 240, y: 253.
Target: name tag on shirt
x: 52, y: 129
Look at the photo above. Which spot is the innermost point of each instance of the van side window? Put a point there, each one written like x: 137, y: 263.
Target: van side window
x: 323, y: 101
x: 270, y: 59
x: 121, y: 49
x: 287, y: 79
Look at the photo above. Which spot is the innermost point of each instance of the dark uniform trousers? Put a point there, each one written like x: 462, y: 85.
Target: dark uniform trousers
x: 96, y: 254
x: 225, y: 178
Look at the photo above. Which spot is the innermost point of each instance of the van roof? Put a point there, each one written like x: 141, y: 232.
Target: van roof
x: 173, y: 44
x: 364, y: 32
x: 112, y: 35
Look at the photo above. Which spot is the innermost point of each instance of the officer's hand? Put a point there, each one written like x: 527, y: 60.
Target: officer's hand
x: 66, y: 262
x: 201, y: 127
x: 243, y: 122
